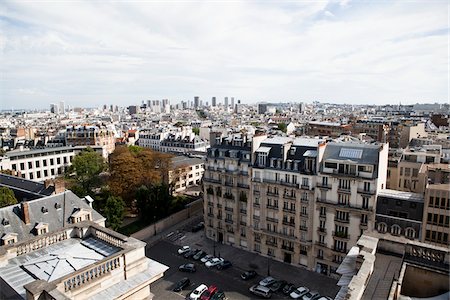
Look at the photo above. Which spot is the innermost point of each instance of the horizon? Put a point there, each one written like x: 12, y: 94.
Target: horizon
x: 329, y: 51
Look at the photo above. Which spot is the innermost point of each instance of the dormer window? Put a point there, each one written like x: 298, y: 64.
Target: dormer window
x: 44, y: 209
x: 5, y: 222
x: 41, y: 228
x: 81, y: 215
x: 57, y: 205
x: 9, y: 238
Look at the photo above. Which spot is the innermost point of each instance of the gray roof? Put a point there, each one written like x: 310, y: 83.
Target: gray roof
x: 24, y: 188
x: 363, y: 153
x: 53, y: 217
x: 394, y: 194
x: 184, y: 161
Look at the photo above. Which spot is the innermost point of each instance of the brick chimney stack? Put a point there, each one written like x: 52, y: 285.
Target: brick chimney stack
x: 25, y: 212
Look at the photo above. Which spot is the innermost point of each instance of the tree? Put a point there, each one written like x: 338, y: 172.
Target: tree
x: 7, y: 197
x: 85, y: 169
x: 196, y: 130
x: 114, y: 211
x: 282, y: 127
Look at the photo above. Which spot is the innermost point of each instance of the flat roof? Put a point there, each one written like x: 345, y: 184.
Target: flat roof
x: 401, y: 195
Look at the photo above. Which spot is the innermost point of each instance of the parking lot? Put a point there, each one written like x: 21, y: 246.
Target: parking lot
x: 165, y: 251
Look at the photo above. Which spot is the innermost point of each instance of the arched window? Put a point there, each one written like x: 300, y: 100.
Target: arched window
x: 396, y: 230
x: 381, y: 227
x: 410, y: 233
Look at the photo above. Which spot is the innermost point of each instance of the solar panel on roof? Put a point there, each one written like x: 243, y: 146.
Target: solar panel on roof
x: 351, y: 153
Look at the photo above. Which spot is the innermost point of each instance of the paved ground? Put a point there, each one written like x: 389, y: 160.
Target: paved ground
x: 163, y: 248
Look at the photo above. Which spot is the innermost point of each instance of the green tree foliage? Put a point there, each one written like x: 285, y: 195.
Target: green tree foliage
x: 282, y: 127
x: 196, y: 131
x: 83, y: 174
x: 7, y: 197
x: 131, y: 168
x: 114, y: 211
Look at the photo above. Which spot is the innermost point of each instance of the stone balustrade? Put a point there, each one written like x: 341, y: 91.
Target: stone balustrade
x: 42, y: 242
x: 106, y: 237
x: 86, y: 276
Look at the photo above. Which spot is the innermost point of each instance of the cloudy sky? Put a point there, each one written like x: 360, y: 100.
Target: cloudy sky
x: 89, y: 53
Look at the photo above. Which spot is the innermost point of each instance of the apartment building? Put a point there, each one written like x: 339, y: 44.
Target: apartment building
x: 334, y: 130
x: 350, y: 177
x: 186, y: 172
x: 90, y: 136
x: 151, y: 139
x: 41, y: 164
x: 436, y: 212
x: 297, y: 200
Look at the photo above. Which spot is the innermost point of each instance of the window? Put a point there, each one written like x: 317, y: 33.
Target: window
x: 330, y: 165
x: 52, y: 161
x: 22, y: 166
x: 37, y: 164
x: 381, y: 227
x: 365, y: 202
x: 30, y: 165
x: 410, y: 233
x: 396, y: 230
x: 44, y: 162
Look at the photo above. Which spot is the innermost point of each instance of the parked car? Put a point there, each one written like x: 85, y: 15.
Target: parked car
x: 310, y: 295
x: 199, y: 255
x: 191, y: 253
x: 224, y: 265
x: 187, y: 268
x: 198, y: 227
x: 219, y: 295
x: 214, y: 262
x: 277, y: 285
x: 248, y: 275
x: 195, y: 295
x: 288, y: 288
x: 184, y: 249
x: 184, y: 282
x: 206, y: 258
x: 267, y: 281
x: 299, y: 292
x: 261, y: 291
x: 324, y: 298
x: 209, y: 293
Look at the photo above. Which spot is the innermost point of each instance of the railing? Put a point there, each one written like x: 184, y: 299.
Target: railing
x: 365, y: 191
x: 305, y: 186
x: 256, y: 217
x: 243, y: 211
x: 42, y: 242
x: 288, y: 248
x: 205, y: 179
x: 342, y: 205
x: 106, y: 237
x: 288, y: 210
x: 243, y: 223
x: 272, y: 207
x: 321, y: 244
x: 271, y: 243
x: 210, y: 203
x: 272, y: 219
x: 229, y: 221
x: 210, y: 215
x: 304, y: 200
x: 340, y: 234
x: 340, y: 220
x: 303, y: 214
x: 219, y: 205
x: 322, y: 229
x: 289, y: 223
x: 228, y: 196
x: 272, y: 194
x: 343, y: 250
x: 228, y: 183
x: 323, y: 186
x: 228, y: 209
x: 287, y: 196
x: 243, y: 185
x: 303, y: 228
x: 256, y: 205
x: 85, y: 276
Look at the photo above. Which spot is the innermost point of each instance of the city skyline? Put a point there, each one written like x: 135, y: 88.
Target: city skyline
x: 331, y: 51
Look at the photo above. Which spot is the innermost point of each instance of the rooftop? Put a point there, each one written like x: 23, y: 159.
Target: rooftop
x: 401, y: 195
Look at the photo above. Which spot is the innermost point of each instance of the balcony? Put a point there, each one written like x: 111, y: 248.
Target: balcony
x: 272, y: 207
x: 287, y: 196
x: 243, y: 185
x: 305, y: 187
x: 243, y: 211
x: 229, y: 221
x: 340, y: 250
x: 228, y: 183
x: 272, y: 243
x: 366, y: 192
x: 210, y: 204
x: 210, y: 215
x: 219, y: 205
x: 228, y: 196
x: 363, y: 225
x: 256, y: 217
x: 256, y: 205
x: 219, y: 217
x: 341, y: 235
x: 303, y: 228
x: 275, y: 220
x: 323, y: 216
x: 323, y: 186
x: 229, y: 209
x: 288, y: 210
x: 256, y: 193
x: 343, y: 189
x: 341, y: 220
x: 322, y: 229
x: 243, y: 223
x: 321, y: 244
x: 212, y: 180
x: 287, y: 248
x: 272, y: 194
x: 303, y: 214
x: 304, y: 200
x: 343, y: 205
x: 288, y: 223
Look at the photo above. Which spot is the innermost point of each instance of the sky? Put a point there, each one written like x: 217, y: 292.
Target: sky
x: 89, y: 53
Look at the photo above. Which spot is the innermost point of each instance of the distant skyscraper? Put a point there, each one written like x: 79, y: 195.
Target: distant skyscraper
x: 232, y: 103
x: 196, y: 102
x: 213, y: 101
x: 62, y: 107
x: 226, y: 102
x: 54, y: 109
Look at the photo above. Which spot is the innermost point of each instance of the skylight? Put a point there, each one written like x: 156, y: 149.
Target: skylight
x: 351, y: 153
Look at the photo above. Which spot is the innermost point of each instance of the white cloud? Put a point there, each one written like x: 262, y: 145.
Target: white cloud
x: 98, y: 52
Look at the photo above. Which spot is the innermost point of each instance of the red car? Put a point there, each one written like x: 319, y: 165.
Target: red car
x: 209, y: 293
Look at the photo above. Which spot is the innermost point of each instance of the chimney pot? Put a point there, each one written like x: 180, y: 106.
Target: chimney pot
x: 25, y: 212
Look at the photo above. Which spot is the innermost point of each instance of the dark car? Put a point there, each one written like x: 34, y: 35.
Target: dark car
x: 288, y: 288
x: 224, y: 265
x: 219, y: 295
x: 199, y: 255
x: 278, y: 285
x: 187, y: 268
x: 198, y: 227
x: 191, y: 253
x: 248, y: 275
x: 184, y: 282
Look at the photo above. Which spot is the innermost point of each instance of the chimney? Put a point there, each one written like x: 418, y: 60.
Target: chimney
x: 25, y: 212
